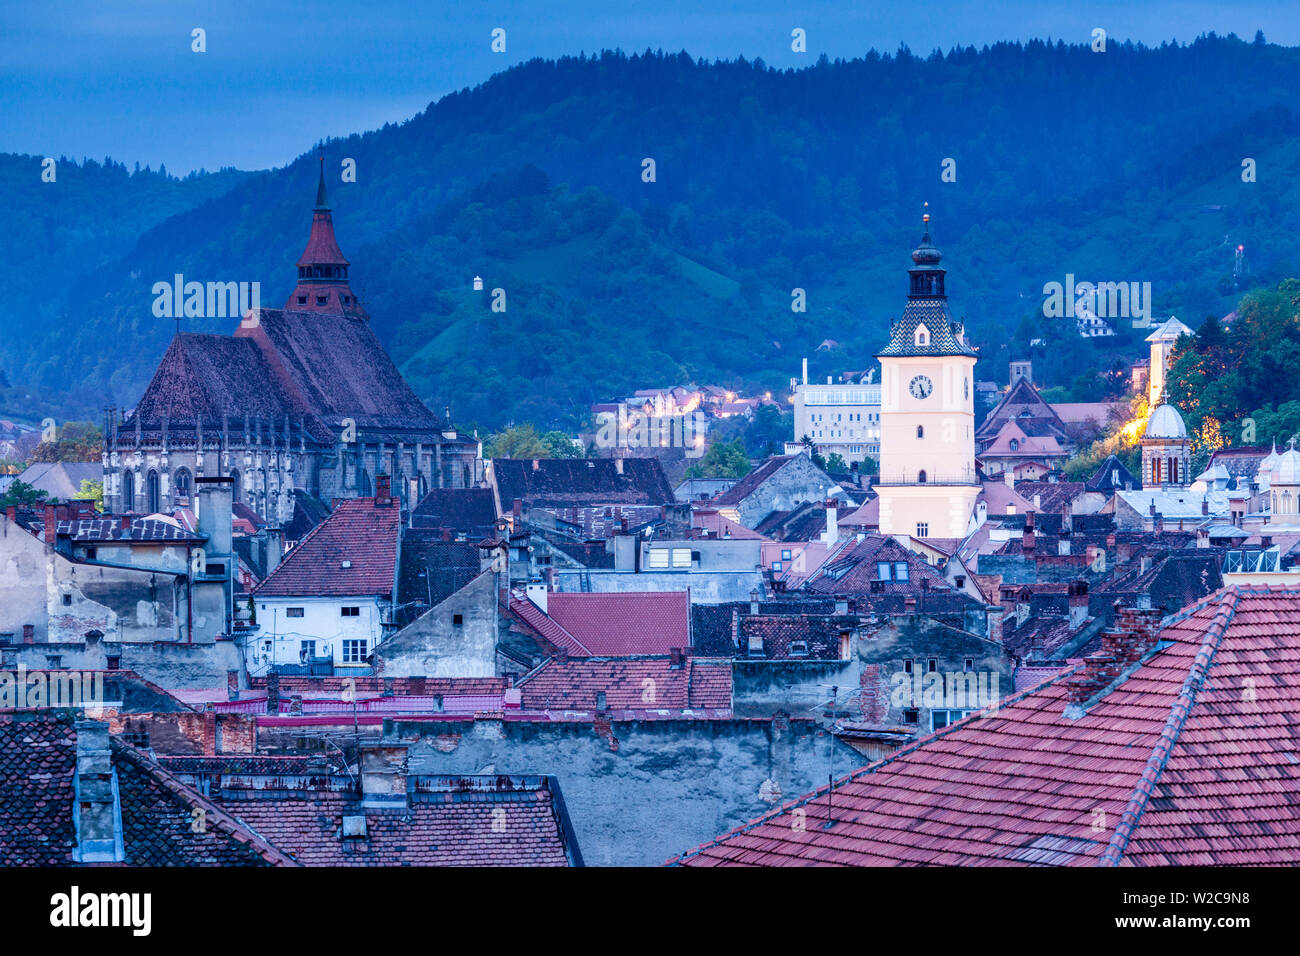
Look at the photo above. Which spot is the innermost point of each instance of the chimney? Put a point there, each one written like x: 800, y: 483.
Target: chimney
x: 1205, y: 504
x: 1009, y: 478
x: 126, y: 523
x: 832, y: 532
x: 51, y: 524
x: 274, y: 548
x: 909, y: 605
x: 1038, y: 501
x: 29, y: 633
x: 1078, y: 603
x: 1027, y: 538
x: 383, y: 489
x: 12, y: 512
x: 232, y: 685
x: 215, y: 499
x: 97, y: 815
x: 1134, y: 634
x: 537, y: 592
x: 383, y: 775
x: 1063, y: 542
x: 995, y: 617
x: 618, y: 465
x: 517, y: 508
x: 676, y: 658
x: 1098, y: 670
x: 273, y: 692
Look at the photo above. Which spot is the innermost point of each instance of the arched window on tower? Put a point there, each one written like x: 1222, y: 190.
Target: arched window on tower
x: 920, y: 477
x: 1288, y: 506
x: 920, y: 431
x: 922, y: 336
x: 128, y: 490
x: 154, y: 492
x: 182, y: 484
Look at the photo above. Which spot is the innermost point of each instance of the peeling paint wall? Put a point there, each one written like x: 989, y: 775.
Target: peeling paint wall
x: 640, y: 792
x: 457, y: 638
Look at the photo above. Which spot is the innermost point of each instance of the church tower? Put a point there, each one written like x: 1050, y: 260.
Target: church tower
x: 322, y: 270
x: 927, y: 483
x: 1166, y: 457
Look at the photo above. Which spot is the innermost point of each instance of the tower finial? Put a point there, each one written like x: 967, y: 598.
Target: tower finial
x: 925, y: 217
x: 320, y: 189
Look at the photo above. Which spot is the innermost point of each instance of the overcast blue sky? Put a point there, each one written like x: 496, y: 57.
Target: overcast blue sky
x: 118, y: 78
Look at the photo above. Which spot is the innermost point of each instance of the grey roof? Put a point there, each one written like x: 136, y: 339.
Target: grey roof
x: 62, y: 479
x: 933, y: 313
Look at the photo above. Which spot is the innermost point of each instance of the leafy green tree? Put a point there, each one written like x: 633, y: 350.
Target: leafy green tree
x: 21, y: 493
x: 836, y: 464
x: 76, y: 441
x: 91, y: 491
x: 722, y: 460
x: 517, y: 441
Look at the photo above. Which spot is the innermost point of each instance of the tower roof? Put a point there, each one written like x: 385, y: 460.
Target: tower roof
x: 1165, y: 423
x: 926, y: 327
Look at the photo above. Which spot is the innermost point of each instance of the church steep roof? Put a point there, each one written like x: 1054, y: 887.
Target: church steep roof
x: 1023, y: 405
x: 943, y: 332
x: 338, y: 369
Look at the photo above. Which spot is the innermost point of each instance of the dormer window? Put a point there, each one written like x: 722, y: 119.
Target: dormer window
x: 302, y: 300
x: 1015, y: 444
x: 922, y: 337
x: 322, y: 299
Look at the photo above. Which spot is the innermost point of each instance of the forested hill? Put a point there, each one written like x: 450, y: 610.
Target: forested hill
x: 1117, y: 166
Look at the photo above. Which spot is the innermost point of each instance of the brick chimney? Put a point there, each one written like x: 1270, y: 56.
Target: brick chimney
x: 232, y: 685
x: 383, y: 775
x: 97, y: 817
x: 126, y: 523
x: 383, y: 490
x: 1078, y: 600
x: 51, y: 524
x: 12, y: 512
x: 1134, y: 634
x: 273, y: 692
x: 1027, y: 537
x: 676, y: 658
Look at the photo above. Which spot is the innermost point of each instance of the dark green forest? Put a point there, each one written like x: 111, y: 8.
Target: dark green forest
x: 1119, y: 166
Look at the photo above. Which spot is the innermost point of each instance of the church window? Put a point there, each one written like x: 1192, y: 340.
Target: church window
x: 923, y: 529
x: 920, y: 477
x: 128, y: 491
x: 154, y: 493
x: 302, y: 300
x: 182, y: 483
x: 920, y: 431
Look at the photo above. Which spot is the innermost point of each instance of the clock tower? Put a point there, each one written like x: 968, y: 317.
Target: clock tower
x: 927, y: 483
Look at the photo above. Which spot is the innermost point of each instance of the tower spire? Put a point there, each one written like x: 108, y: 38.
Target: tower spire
x: 322, y: 269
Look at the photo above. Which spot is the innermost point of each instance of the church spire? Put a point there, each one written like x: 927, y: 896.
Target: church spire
x: 926, y: 276
x: 322, y: 268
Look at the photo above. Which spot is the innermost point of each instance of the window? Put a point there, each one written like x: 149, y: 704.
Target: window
x: 883, y: 569
x: 681, y: 557
x: 67, y: 600
x: 968, y: 665
x: 960, y: 581
x: 306, y: 651
x: 900, y: 570
x: 293, y: 612
x: 923, y: 529
x: 54, y: 660
x: 182, y: 483
x: 114, y: 662
x: 798, y: 648
x: 785, y: 554
x: 942, y: 718
x: 354, y: 651
x: 920, y: 477
x: 154, y: 495
x: 321, y: 299
x: 911, y: 716
x: 776, y: 566
x: 907, y: 667
x: 1015, y: 444
x: 350, y: 611
x: 658, y: 558
x: 458, y: 620
x: 128, y: 491
x: 932, y: 665
x: 302, y: 300
x: 920, y: 431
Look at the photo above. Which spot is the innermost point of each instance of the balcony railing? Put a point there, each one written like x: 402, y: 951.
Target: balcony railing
x: 921, y: 477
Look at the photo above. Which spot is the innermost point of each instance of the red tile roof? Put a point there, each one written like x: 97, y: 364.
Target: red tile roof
x: 611, y: 625
x: 1192, y: 759
x: 629, y: 683
x: 360, y: 532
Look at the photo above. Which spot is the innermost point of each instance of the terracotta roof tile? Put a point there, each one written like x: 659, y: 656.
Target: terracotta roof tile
x: 361, y: 534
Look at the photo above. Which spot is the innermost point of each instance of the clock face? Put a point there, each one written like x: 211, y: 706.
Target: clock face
x: 921, y: 387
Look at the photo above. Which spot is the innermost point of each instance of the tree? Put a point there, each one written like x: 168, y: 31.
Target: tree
x: 91, y: 491
x: 20, y: 493
x: 517, y: 441
x: 559, y: 445
x: 835, y: 464
x: 722, y: 460
x: 75, y: 441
